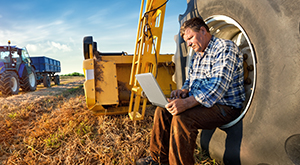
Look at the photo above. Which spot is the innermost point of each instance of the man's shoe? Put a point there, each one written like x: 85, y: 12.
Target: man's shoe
x: 146, y: 161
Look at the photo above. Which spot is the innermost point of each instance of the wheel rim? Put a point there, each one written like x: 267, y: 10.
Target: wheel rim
x: 32, y: 80
x: 14, y: 84
x: 227, y: 28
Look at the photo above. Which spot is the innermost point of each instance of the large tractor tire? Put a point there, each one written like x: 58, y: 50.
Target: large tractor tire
x: 28, y: 82
x: 9, y: 83
x: 268, y: 34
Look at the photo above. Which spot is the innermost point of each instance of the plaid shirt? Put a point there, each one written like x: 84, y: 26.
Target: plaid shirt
x: 218, y: 76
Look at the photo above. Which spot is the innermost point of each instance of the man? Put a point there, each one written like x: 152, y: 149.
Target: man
x: 211, y: 96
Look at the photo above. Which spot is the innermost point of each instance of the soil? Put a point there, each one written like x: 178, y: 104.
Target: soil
x: 66, y: 82
x: 54, y: 126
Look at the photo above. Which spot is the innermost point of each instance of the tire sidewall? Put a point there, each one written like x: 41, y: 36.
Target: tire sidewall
x: 7, y: 83
x: 57, y: 80
x: 14, y: 84
x: 274, y: 34
x: 32, y: 85
x: 26, y: 80
x: 46, y: 81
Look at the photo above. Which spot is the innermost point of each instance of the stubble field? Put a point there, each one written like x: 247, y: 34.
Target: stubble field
x: 53, y: 126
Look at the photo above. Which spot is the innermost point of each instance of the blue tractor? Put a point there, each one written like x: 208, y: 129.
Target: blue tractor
x: 16, y: 70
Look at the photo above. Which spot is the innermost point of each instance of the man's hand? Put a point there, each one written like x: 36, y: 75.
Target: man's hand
x: 179, y: 93
x: 177, y: 106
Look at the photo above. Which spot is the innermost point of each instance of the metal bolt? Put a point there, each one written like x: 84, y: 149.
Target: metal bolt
x: 250, y: 67
x: 245, y: 56
x: 248, y: 81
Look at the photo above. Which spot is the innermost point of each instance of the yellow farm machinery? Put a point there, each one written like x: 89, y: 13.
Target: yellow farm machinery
x: 111, y: 86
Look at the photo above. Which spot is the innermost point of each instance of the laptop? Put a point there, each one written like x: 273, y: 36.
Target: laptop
x: 152, y: 89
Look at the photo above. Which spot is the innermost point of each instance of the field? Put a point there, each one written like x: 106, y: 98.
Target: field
x: 53, y: 126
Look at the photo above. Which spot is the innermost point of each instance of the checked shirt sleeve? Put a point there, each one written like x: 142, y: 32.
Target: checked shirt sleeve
x: 211, y: 89
x: 187, y: 81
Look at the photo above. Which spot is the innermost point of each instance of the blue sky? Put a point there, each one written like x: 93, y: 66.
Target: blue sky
x: 55, y: 28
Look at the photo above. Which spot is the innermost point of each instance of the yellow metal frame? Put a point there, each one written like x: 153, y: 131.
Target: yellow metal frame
x: 116, y: 73
x: 101, y: 90
x: 147, y: 47
x: 107, y: 90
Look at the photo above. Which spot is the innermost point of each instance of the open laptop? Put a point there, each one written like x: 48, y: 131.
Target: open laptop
x: 152, y: 89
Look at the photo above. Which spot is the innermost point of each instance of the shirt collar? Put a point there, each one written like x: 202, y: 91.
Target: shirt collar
x: 210, y: 44
x: 201, y: 54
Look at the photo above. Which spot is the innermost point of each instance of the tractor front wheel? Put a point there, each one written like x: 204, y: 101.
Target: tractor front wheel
x: 29, y: 82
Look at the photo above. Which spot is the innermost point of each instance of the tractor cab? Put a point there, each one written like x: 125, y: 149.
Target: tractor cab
x: 11, y: 58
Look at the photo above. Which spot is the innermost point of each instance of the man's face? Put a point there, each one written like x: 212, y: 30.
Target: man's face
x: 195, y: 40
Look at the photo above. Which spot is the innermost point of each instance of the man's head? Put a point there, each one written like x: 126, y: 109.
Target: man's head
x: 196, y: 33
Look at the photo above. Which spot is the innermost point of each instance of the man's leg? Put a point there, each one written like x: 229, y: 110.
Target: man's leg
x: 160, y: 137
x: 184, y: 130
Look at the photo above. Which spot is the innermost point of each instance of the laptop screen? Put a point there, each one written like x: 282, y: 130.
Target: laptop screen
x: 152, y: 89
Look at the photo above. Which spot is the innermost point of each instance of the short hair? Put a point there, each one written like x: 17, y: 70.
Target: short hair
x: 195, y: 24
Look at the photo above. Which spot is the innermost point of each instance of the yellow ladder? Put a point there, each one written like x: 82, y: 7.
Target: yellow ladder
x: 146, y: 53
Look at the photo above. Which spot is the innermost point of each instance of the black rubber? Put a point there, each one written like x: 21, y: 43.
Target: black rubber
x: 25, y: 82
x: 6, y: 83
x: 46, y: 81
x: 273, y: 29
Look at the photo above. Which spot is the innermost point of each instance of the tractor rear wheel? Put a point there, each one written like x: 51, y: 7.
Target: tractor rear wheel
x: 28, y: 82
x: 9, y: 83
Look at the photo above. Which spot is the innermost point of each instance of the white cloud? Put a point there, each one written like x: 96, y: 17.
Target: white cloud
x: 0, y: 16
x: 49, y: 48
x: 55, y: 23
x: 32, y: 47
x: 59, y: 46
x: 59, y: 51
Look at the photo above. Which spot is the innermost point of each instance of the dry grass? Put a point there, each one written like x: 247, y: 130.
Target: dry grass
x: 61, y: 130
